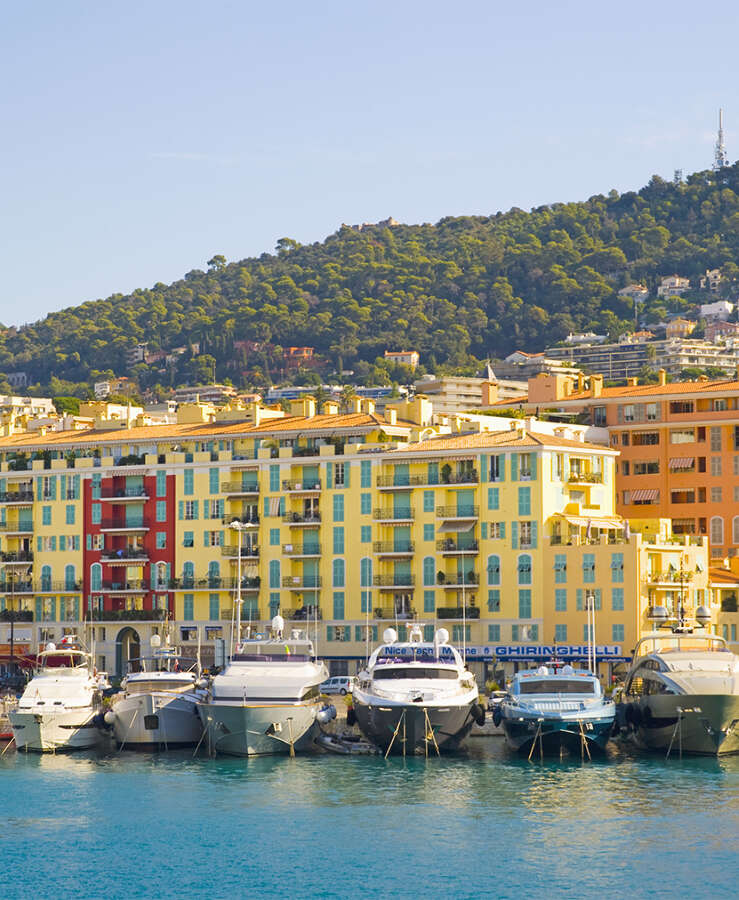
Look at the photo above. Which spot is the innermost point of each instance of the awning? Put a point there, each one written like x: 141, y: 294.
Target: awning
x: 602, y: 523
x: 455, y: 526
x: 682, y: 462
x: 648, y: 494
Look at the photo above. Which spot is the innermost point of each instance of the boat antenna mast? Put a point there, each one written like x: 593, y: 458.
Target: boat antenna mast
x: 590, y: 608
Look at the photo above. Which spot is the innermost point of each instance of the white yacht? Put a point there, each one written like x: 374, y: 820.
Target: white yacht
x: 681, y: 694
x: 416, y: 696
x: 157, y: 706
x: 60, y: 704
x: 267, y: 699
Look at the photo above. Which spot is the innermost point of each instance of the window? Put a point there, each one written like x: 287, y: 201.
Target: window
x: 716, y: 495
x: 625, y: 467
x: 650, y: 467
x: 274, y: 479
x: 161, y: 540
x: 429, y: 601
x: 429, y: 571
x: 428, y: 501
x: 617, y: 567
x: 46, y: 515
x: 97, y: 513
x: 70, y: 511
x: 161, y: 511
x: 365, y: 473
x: 524, y: 604
x: 366, y: 534
x: 588, y: 568
x: 560, y: 600
x: 366, y: 504
x: 428, y: 531
x: 213, y: 538
x: 682, y: 436
x: 618, y: 632
x: 617, y: 599
x: 213, y: 481
x: 161, y: 487
x: 497, y: 530
x: 524, y: 501
x: 644, y: 438
x: 527, y: 463
x: 681, y: 406
x: 96, y: 577
x: 339, y: 474
x: 525, y: 632
x: 494, y: 633
x: 716, y: 440
x: 460, y: 633
x: 717, y: 530
x: 338, y: 605
x: 188, y: 607
x: 365, y: 573
x: 339, y: 539
x: 494, y: 497
x: 494, y: 600
x: 625, y: 439
x: 628, y: 413
x: 493, y: 570
x: 188, y: 539
x: 365, y: 599
x: 652, y: 412
x: 191, y: 509
x: 599, y: 416
x: 63, y: 543
x: 524, y: 569
x: 497, y: 468
x: 527, y: 534
x: 338, y: 573
x: 274, y: 573
x: 560, y: 634
x: 560, y: 568
x: 338, y: 507
x: 716, y: 465
x: 188, y: 482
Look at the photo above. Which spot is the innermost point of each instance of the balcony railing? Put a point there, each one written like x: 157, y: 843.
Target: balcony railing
x: 308, y: 518
x: 21, y: 527
x: 61, y: 587
x: 394, y: 547
x: 585, y: 478
x: 301, y: 549
x: 115, y: 586
x: 16, y: 615
x: 127, y: 615
x: 128, y: 493
x: 457, y: 612
x: 393, y: 515
x: 127, y: 553
x: 457, y: 579
x: 247, y: 552
x: 16, y: 557
x: 248, y: 613
x: 450, y: 546
x: 16, y: 587
x: 186, y: 583
x: 396, y: 580
x: 670, y: 577
x: 393, y: 481
x: 133, y: 523
x: 302, y: 614
x: 390, y: 612
x: 251, y: 520
x: 457, y: 512
x: 240, y: 487
x: 16, y: 496
x: 297, y: 582
x: 301, y: 485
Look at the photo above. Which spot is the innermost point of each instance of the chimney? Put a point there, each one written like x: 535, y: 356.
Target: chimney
x: 368, y: 406
x: 703, y: 378
x: 489, y: 393
x: 355, y: 405
x: 596, y: 385
x: 330, y: 408
x: 303, y: 406
x: 662, y: 376
x: 632, y: 381
x: 391, y: 415
x: 580, y: 381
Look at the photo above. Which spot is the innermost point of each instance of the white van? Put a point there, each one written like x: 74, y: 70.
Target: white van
x: 339, y: 684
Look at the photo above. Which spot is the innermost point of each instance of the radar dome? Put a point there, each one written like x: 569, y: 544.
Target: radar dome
x: 50, y: 647
x: 659, y: 614
x: 155, y: 640
x: 442, y: 636
x: 703, y: 615
x: 278, y: 624
x: 389, y: 635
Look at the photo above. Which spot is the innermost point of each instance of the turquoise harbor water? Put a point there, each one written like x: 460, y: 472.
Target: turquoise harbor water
x: 168, y: 825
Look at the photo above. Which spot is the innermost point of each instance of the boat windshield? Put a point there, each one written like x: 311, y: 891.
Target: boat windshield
x: 271, y: 657
x: 413, y: 672
x: 557, y: 686
x: 682, y: 643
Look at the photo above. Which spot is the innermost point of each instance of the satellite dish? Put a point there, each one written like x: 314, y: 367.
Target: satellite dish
x: 155, y: 640
x: 703, y: 615
x: 389, y: 636
x: 441, y: 636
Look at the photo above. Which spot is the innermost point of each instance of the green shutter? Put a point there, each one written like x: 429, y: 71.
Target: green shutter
x: 514, y: 535
x: 484, y: 462
x: 534, y: 458
x: 514, y: 466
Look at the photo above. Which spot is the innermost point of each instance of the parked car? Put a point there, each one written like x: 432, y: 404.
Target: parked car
x: 339, y: 684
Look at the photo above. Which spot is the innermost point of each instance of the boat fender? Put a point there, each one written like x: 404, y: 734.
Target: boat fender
x: 478, y: 713
x: 326, y: 714
x: 351, y: 717
x: 497, y: 716
x: 99, y: 720
x: 109, y: 717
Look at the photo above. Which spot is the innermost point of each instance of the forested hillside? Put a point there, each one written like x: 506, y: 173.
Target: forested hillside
x: 466, y: 286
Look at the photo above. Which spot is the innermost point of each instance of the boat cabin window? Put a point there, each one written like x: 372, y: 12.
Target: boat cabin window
x: 557, y: 686
x: 397, y: 672
x: 271, y: 657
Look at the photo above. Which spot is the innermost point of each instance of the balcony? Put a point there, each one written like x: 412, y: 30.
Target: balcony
x: 301, y: 486
x: 460, y: 513
x: 247, y: 552
x: 185, y: 583
x: 125, y: 556
x: 301, y: 582
x: 244, y: 488
x: 302, y: 614
x: 457, y: 612
x: 394, y: 548
x: 396, y: 580
x: 20, y: 557
x: 124, y: 495
x: 127, y: 615
x: 450, y: 547
x: 301, y: 519
x: 16, y: 615
x: 17, y: 498
x: 391, y: 482
x: 390, y: 612
x: 393, y: 515
x: 23, y: 527
x: 249, y: 613
x: 16, y: 587
x: 585, y: 478
x: 133, y: 523
x: 301, y: 550
x: 671, y: 578
x: 250, y: 521
x: 457, y: 579
x: 123, y: 587
x: 58, y: 587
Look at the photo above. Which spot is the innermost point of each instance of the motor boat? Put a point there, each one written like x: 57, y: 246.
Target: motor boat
x: 60, y: 705
x: 416, y: 697
x: 267, y: 699
x: 681, y: 694
x: 555, y: 709
x: 157, y: 706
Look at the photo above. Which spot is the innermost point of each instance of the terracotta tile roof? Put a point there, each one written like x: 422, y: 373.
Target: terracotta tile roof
x: 323, y: 422
x: 723, y: 576
x: 630, y: 391
x: 477, y: 441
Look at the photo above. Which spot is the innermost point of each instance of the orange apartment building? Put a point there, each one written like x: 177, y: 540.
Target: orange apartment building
x: 678, y: 443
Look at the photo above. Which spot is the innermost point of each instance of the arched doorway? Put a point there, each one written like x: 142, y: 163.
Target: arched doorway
x: 127, y: 648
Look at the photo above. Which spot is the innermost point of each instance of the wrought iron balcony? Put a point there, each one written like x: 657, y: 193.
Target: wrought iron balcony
x: 390, y: 612
x: 307, y: 518
x: 298, y: 582
x: 20, y: 556
x: 123, y: 494
x: 295, y: 550
x: 132, y: 523
x: 399, y: 580
x: 302, y: 614
x: 114, y: 587
x: 394, y: 548
x: 398, y: 482
x: 393, y: 515
x: 457, y: 512
x: 247, y: 552
x: 124, y: 554
x: 457, y: 612
x: 458, y: 579
x: 301, y: 485
x: 24, y: 497
x: 240, y: 487
x: 449, y: 547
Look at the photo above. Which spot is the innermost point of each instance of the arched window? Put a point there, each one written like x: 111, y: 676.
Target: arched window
x: 69, y: 578
x: 493, y: 569
x: 274, y: 573
x: 717, y: 531
x: 338, y: 573
x: 429, y: 567
x: 96, y: 577
x: 46, y: 578
x: 365, y: 572
x: 524, y: 569
x: 214, y: 573
x: 188, y: 574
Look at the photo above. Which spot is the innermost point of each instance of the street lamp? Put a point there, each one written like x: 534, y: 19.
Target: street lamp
x: 590, y: 607
x: 239, y: 528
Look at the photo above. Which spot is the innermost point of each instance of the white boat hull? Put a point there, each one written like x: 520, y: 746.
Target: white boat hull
x: 56, y: 731
x: 158, y: 720
x: 260, y: 728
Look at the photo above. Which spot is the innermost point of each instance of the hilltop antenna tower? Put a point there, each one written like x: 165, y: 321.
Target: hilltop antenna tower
x: 720, y: 159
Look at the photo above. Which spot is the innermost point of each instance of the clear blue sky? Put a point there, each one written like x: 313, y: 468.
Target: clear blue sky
x: 140, y: 138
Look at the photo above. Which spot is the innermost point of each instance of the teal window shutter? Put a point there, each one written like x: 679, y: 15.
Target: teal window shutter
x: 534, y: 534
x: 52, y: 487
x: 502, y: 467
x: 214, y: 481
x: 579, y: 599
x: 338, y: 507
x: 88, y: 542
x: 274, y: 478
x: 502, y: 531
x: 338, y: 605
x: 63, y: 486
x: 189, y: 482
x: 39, y: 610
x: 63, y: 542
x: 214, y: 611
x: 514, y: 535
x: 347, y: 473
x: 366, y: 534
x: 494, y: 569
x: 429, y: 571
x: 366, y: 504
x: 484, y: 463
x: 97, y: 513
x: 266, y: 506
x: 365, y: 473
x: 433, y: 473
x: 70, y: 514
x: 534, y: 458
x: 524, y: 502
x: 195, y: 504
x: 429, y: 601
x: 329, y: 475
x: 484, y: 530
x: 428, y: 501
x: 188, y: 604
x: 493, y: 498
x: 161, y: 484
x: 40, y: 488
x: 514, y: 466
